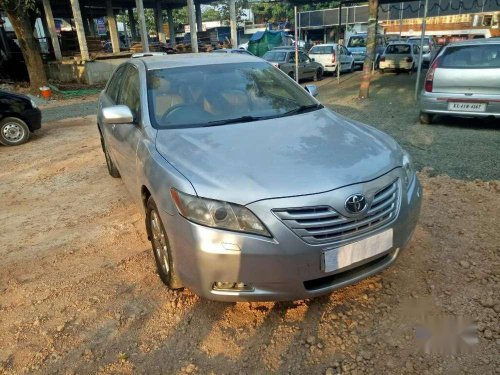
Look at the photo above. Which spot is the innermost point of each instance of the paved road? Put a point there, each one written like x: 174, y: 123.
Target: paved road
x: 69, y: 110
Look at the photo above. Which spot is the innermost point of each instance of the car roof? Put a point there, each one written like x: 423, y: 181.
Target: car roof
x: 398, y: 42
x: 282, y: 50
x: 325, y: 45
x: 195, y: 59
x: 472, y: 42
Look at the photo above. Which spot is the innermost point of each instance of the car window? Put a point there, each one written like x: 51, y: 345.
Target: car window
x: 113, y: 87
x: 415, y: 49
x: 321, y: 50
x: 357, y: 41
x: 398, y: 49
x: 485, y: 56
x: 274, y: 56
x: 380, y: 41
x: 129, y: 90
x: 303, y: 57
x: 204, y: 94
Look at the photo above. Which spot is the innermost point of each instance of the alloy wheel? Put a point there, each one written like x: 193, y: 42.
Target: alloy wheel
x: 159, y: 242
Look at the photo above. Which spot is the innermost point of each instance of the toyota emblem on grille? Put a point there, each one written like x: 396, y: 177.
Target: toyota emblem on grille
x: 355, y: 203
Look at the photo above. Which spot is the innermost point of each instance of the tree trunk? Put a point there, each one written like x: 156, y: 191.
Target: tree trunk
x: 30, y: 49
x: 364, y: 88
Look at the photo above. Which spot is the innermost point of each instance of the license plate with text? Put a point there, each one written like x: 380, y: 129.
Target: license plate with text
x: 467, y: 107
x: 346, y: 255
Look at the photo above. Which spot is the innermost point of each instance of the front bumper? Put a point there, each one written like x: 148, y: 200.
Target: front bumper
x: 437, y: 103
x: 283, y: 267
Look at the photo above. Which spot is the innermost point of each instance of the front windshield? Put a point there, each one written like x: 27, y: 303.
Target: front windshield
x: 208, y: 95
x: 357, y: 41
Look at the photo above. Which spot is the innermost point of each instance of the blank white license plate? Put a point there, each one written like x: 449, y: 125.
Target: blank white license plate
x: 467, y: 107
x: 346, y: 255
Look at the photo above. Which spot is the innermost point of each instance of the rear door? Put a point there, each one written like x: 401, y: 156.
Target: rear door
x: 308, y: 67
x: 395, y: 54
x: 469, y: 69
x: 322, y: 54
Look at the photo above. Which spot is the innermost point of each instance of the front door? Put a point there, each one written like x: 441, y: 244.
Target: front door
x: 126, y: 137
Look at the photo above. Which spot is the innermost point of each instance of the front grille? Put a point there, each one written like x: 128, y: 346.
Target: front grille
x: 322, y: 224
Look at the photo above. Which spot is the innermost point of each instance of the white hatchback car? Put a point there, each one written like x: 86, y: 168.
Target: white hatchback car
x: 400, y: 56
x: 329, y: 55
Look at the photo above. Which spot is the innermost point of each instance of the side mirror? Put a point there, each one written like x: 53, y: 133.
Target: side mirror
x: 312, y: 90
x: 349, y: 53
x: 117, y: 114
x: 313, y: 59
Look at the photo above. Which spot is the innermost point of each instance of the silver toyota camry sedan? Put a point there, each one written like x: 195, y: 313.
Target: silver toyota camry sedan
x: 251, y: 189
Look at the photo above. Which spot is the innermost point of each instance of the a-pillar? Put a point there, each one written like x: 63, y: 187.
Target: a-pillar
x: 52, y: 29
x: 80, y: 32
x: 113, y: 29
x: 192, y: 26
x: 232, y: 22
x: 133, y: 26
x: 199, y: 20
x: 171, y: 27
x: 143, y: 28
x: 159, y: 22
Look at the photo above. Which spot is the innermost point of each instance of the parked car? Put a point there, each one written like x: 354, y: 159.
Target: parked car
x: 19, y: 116
x: 357, y: 46
x: 251, y: 189
x: 329, y: 56
x: 429, y: 47
x: 463, y: 80
x: 400, y: 56
x: 233, y: 50
x: 284, y: 59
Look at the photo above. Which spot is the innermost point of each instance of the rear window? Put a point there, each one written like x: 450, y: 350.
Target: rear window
x: 357, y: 41
x: 274, y: 56
x: 322, y: 50
x: 398, y: 49
x: 485, y: 56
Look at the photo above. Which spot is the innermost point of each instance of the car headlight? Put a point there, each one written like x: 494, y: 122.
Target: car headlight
x: 33, y: 104
x: 218, y: 214
x: 408, y: 169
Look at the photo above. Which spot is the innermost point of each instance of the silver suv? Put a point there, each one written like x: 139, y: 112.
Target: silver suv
x: 251, y: 189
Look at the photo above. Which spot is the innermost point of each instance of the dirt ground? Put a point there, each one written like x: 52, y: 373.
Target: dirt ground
x: 79, y: 292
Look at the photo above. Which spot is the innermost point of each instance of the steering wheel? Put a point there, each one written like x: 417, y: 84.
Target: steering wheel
x: 173, y: 110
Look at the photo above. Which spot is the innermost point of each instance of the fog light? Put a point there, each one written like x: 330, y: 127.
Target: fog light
x: 230, y: 286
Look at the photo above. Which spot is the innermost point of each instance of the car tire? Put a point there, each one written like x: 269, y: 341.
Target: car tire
x: 13, y: 131
x: 410, y: 71
x: 113, y: 171
x: 426, y: 118
x: 161, y: 246
x: 318, y: 75
x: 382, y: 71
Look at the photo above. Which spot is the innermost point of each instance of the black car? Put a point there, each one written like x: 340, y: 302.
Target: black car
x: 19, y: 116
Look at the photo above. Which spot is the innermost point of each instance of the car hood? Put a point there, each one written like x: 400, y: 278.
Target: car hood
x: 289, y: 156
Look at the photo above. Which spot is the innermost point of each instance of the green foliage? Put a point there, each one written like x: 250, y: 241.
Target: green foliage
x: 19, y: 7
x: 211, y: 14
x: 272, y: 12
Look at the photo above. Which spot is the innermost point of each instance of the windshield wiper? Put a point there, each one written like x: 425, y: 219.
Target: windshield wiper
x: 302, y: 109
x: 234, y: 120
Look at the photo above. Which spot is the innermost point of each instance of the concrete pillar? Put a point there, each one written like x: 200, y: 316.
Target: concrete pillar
x: 192, y: 26
x: 232, y: 22
x: 80, y: 32
x: 133, y: 26
x: 52, y: 29
x: 159, y: 23
x: 171, y: 27
x: 142, y: 21
x: 199, y: 20
x: 113, y: 28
